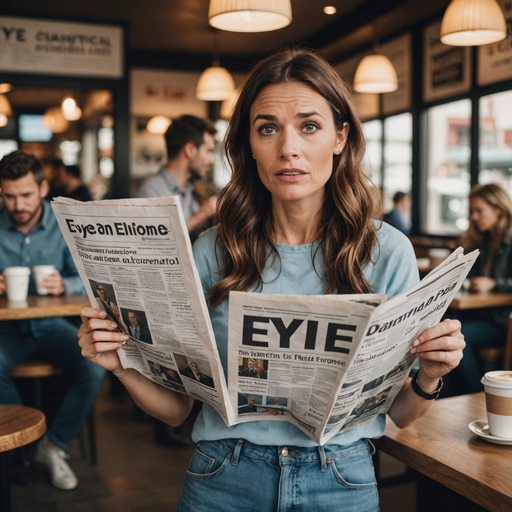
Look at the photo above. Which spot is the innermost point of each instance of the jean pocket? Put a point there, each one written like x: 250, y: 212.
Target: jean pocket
x: 355, y: 470
x: 207, y: 461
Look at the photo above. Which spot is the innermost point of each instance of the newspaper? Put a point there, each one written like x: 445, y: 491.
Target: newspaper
x: 326, y: 363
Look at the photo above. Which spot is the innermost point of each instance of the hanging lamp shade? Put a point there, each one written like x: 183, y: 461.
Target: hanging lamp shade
x: 215, y: 84
x: 250, y: 15
x: 158, y: 125
x: 3, y: 120
x: 375, y: 74
x: 5, y: 88
x: 74, y: 115
x: 5, y: 106
x: 473, y: 23
x: 54, y: 120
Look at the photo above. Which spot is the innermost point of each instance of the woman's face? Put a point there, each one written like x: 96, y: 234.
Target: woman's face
x: 484, y: 215
x: 294, y: 140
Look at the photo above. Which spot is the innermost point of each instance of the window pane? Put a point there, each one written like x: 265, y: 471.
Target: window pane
x: 397, y: 157
x: 448, y: 178
x: 495, y: 151
x: 372, y: 159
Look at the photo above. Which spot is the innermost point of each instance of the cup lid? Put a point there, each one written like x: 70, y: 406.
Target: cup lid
x: 38, y: 268
x: 16, y: 271
x: 488, y: 380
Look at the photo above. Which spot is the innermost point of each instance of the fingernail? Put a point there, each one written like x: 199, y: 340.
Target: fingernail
x: 413, y: 350
x: 103, y: 313
x: 416, y: 342
x: 124, y: 337
x: 113, y: 324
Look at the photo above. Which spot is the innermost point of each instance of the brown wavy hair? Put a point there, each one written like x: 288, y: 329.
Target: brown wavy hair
x: 497, y: 197
x: 246, y: 225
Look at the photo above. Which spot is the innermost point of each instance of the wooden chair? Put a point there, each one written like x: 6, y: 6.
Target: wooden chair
x: 503, y: 354
x: 507, y: 358
x: 38, y: 370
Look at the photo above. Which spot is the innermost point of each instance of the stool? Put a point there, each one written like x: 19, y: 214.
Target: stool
x: 19, y: 426
x: 37, y: 370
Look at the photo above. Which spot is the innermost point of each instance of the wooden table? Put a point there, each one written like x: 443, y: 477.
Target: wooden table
x: 42, y: 307
x: 441, y: 446
x: 18, y: 426
x: 467, y: 300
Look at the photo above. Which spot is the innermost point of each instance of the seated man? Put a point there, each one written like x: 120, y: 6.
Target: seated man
x: 30, y: 235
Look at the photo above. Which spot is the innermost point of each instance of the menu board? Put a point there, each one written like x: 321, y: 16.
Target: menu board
x: 447, y: 70
x: 495, y: 60
x: 47, y: 47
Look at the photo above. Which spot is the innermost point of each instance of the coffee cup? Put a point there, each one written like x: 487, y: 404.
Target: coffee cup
x: 40, y: 272
x: 498, y: 400
x: 16, y: 280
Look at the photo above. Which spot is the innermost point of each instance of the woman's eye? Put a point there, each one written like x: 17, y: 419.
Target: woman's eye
x: 311, y: 127
x: 267, y: 130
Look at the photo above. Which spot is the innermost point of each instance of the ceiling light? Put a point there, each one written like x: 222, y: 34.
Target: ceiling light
x: 3, y: 120
x: 250, y: 15
x: 215, y: 84
x: 69, y: 104
x: 330, y: 9
x: 73, y: 116
x: 5, y: 106
x: 473, y: 23
x: 5, y: 88
x: 375, y: 74
x: 158, y: 124
x: 54, y: 120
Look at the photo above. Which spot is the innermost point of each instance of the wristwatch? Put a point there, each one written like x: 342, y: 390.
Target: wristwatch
x: 427, y: 396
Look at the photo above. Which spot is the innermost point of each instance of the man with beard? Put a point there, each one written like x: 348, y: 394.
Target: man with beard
x: 29, y: 236
x: 190, y: 149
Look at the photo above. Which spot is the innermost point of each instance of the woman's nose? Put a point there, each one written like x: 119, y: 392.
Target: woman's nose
x: 289, y: 145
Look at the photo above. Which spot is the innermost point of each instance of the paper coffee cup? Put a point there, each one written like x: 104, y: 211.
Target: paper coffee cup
x: 498, y: 400
x: 40, y: 272
x: 16, y: 279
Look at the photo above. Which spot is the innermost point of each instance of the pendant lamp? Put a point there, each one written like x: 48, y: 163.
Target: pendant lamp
x: 375, y: 74
x: 5, y: 106
x: 250, y: 15
x: 158, y: 125
x: 70, y: 109
x: 473, y: 23
x: 5, y: 88
x: 54, y: 120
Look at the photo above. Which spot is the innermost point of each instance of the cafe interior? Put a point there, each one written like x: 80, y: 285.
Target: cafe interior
x: 97, y: 84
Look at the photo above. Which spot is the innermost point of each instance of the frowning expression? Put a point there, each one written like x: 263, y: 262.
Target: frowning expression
x: 293, y: 140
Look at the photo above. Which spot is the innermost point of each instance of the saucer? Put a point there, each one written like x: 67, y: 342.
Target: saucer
x: 481, y: 429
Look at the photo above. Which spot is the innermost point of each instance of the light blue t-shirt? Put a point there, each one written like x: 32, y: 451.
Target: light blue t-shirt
x: 394, y: 271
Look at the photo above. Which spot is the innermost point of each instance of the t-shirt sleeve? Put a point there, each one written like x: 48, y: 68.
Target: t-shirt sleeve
x: 205, y: 258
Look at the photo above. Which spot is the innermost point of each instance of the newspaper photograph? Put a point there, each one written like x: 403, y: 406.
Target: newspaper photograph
x: 326, y: 363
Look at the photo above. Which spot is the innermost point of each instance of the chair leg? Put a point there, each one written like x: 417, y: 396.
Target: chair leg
x: 5, y: 482
x: 91, y: 428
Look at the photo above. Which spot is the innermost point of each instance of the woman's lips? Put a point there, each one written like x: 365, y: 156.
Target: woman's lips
x: 290, y: 175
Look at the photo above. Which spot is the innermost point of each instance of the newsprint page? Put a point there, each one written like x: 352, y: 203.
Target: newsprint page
x: 325, y: 363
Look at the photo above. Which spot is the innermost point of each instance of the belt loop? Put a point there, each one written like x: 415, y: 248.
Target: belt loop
x: 236, y: 452
x: 371, y: 446
x: 323, y: 462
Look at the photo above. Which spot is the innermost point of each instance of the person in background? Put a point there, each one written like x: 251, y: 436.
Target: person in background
x: 190, y: 150
x: 29, y: 236
x: 69, y: 183
x: 490, y: 231
x: 399, y: 217
x: 298, y: 217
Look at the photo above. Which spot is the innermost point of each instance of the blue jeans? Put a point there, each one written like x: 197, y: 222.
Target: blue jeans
x: 477, y: 333
x: 54, y: 340
x: 235, y: 475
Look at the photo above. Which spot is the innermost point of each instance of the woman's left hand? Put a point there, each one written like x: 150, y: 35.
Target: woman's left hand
x: 439, y: 349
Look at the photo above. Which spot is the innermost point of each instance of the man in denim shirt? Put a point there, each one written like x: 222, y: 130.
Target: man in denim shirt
x: 29, y: 236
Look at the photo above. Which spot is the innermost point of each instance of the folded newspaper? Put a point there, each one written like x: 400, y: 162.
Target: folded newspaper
x: 326, y: 363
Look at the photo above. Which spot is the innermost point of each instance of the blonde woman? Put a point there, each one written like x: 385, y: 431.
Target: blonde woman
x: 296, y: 218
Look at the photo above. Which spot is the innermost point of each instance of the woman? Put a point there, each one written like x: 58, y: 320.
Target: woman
x: 295, y: 218
x: 490, y: 225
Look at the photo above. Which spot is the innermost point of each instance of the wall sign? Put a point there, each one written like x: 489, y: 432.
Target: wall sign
x: 46, y: 47
x: 495, y: 60
x: 447, y: 70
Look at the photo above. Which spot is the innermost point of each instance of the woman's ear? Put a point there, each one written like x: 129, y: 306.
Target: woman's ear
x: 341, y: 139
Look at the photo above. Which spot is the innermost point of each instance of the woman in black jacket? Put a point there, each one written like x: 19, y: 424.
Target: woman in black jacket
x: 490, y: 230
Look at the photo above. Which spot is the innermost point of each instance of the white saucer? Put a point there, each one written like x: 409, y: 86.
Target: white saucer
x: 481, y: 429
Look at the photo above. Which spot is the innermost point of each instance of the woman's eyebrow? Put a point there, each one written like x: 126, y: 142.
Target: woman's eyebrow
x: 300, y: 115
x: 266, y: 117
x: 303, y: 115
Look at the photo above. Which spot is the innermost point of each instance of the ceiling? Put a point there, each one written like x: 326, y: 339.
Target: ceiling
x: 181, y: 26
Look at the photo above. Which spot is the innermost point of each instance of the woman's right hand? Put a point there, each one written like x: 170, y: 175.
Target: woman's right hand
x: 99, y: 339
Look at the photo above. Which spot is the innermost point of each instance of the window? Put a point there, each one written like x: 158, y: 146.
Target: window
x: 372, y: 159
x: 448, y: 176
x: 495, y: 148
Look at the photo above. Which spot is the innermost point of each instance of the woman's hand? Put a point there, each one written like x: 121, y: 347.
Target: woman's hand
x: 482, y: 284
x: 439, y: 349
x: 99, y: 339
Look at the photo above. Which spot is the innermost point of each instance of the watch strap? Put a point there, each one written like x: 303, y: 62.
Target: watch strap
x: 427, y: 396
